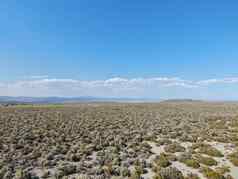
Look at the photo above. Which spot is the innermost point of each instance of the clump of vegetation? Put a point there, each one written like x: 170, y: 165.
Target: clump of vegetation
x: 192, y: 176
x: 163, y: 141
x: 162, y: 160
x: 3, y: 171
x: 209, y: 150
x: 223, y: 169
x: 21, y: 174
x: 169, y: 173
x: 211, y: 174
x: 136, y: 174
x: 209, y: 161
x: 188, y: 138
x: 174, y: 147
x: 171, y: 157
x: 188, y: 160
x: 233, y: 157
x: 125, y: 172
x: 191, y: 163
x: 67, y: 169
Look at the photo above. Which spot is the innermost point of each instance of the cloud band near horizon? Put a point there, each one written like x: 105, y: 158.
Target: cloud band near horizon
x: 159, y: 87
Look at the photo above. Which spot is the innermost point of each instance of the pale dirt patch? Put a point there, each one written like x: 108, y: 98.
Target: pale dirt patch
x: 186, y: 144
x: 148, y: 175
x: 157, y: 150
x: 225, y: 148
x: 186, y: 170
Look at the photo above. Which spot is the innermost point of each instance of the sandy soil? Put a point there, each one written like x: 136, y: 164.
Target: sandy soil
x: 225, y: 148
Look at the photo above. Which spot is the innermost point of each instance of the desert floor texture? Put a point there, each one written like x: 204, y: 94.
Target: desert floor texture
x: 167, y: 140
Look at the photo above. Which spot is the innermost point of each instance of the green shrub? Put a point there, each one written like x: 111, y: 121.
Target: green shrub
x: 192, y: 176
x: 169, y: 173
x: 139, y: 170
x: 223, y: 169
x: 67, y: 169
x: 171, y: 157
x: 3, y: 171
x: 21, y: 174
x: 135, y: 175
x: 209, y: 150
x: 233, y: 157
x: 162, y: 160
x: 211, y: 174
x: 191, y: 163
x: 175, y: 147
x: 125, y: 172
x: 188, y: 160
x: 209, y: 161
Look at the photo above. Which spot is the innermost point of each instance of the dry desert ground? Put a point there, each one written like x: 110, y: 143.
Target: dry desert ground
x: 167, y: 140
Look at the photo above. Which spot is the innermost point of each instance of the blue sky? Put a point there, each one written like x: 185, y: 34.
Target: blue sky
x: 49, y: 43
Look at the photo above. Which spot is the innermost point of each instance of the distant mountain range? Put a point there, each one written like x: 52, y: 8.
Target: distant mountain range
x: 182, y: 100
x: 59, y: 100
x: 54, y: 100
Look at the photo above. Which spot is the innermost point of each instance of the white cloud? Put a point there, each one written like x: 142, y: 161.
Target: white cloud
x: 159, y: 87
x: 218, y: 81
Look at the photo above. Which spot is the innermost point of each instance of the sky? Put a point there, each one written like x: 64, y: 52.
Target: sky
x: 127, y: 48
